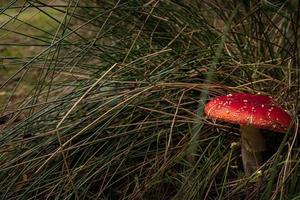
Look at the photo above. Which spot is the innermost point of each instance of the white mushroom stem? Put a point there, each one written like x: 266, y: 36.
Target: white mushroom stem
x: 252, y: 144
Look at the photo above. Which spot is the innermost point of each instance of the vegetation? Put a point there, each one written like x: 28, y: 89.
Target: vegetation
x: 115, y: 92
x: 24, y: 32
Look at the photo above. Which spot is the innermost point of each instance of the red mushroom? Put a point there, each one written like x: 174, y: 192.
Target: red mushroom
x: 251, y: 112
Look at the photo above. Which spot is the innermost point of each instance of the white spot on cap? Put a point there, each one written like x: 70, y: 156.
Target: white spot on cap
x: 249, y: 120
x: 261, y: 119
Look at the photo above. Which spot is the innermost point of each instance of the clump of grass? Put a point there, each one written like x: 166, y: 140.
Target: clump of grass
x: 116, y: 110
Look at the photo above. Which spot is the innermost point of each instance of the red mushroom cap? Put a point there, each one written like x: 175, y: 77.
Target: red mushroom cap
x: 259, y: 111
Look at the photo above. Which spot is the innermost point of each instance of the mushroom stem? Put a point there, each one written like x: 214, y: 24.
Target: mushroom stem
x: 252, y: 144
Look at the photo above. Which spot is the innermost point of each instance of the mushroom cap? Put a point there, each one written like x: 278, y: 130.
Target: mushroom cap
x: 259, y: 111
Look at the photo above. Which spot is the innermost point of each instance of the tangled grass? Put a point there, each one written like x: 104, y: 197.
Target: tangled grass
x: 116, y: 109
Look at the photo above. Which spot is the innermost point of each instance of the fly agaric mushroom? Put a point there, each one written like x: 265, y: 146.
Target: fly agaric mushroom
x: 251, y: 112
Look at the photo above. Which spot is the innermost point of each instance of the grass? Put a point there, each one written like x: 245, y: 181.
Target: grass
x: 24, y: 32
x: 116, y: 110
